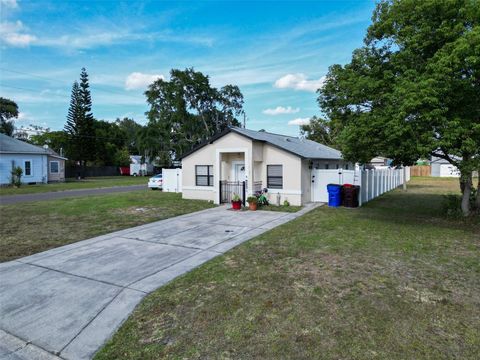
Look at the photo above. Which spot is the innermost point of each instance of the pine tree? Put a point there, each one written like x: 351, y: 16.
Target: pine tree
x: 80, y: 125
x: 74, y: 111
x: 75, y: 123
x: 88, y: 128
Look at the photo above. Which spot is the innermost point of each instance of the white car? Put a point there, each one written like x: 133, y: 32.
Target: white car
x: 155, y: 182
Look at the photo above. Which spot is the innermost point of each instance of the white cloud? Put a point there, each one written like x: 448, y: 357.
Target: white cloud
x: 299, y: 82
x: 23, y: 116
x: 299, y: 121
x: 281, y: 110
x: 138, y: 80
x: 13, y: 4
x: 13, y: 33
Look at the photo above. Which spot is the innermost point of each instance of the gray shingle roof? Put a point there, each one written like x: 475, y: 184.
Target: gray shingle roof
x: 11, y: 145
x: 304, y: 148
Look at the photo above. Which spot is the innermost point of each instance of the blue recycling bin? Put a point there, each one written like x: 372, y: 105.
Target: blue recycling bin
x: 334, y: 195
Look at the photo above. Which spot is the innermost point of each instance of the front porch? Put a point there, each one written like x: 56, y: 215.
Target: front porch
x: 237, y: 174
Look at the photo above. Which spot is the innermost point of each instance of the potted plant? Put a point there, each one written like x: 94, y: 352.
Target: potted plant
x: 252, y: 202
x: 236, y: 202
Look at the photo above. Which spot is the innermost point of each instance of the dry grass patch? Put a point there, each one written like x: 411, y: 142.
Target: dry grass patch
x: 28, y: 228
x: 73, y: 184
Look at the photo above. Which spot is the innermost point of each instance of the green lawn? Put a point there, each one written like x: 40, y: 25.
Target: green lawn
x: 72, y: 184
x: 289, y: 208
x: 28, y: 228
x: 394, y: 279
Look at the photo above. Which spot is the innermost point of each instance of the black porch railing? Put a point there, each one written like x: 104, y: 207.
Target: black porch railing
x: 228, y: 188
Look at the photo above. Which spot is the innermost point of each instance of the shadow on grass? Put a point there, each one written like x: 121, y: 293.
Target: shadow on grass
x: 416, y: 209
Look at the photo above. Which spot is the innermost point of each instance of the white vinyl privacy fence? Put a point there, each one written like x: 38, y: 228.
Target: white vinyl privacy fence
x: 172, y: 180
x: 372, y: 183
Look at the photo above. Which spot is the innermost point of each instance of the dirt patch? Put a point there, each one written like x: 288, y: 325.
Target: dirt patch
x: 135, y: 210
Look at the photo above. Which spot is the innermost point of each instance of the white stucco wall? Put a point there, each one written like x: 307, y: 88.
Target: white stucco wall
x: 207, y: 155
x: 292, y: 178
x: 256, y: 155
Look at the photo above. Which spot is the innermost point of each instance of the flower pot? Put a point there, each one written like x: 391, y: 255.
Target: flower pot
x: 252, y: 206
x: 236, y: 205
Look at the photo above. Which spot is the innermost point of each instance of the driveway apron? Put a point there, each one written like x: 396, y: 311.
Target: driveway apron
x: 66, y: 302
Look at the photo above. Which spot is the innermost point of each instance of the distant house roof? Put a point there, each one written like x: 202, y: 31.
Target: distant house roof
x: 9, y: 145
x: 437, y: 160
x: 303, y: 148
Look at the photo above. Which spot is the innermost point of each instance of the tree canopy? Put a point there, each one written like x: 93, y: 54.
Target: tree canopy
x: 321, y: 130
x: 413, y: 90
x: 8, y: 111
x: 187, y: 110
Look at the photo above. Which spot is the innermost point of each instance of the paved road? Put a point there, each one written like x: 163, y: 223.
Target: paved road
x: 53, y: 195
x: 68, y: 301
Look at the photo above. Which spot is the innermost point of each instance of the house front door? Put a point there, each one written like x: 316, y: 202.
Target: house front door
x: 239, y: 172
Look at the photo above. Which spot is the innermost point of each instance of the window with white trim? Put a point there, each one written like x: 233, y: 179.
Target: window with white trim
x: 27, y: 168
x: 204, y: 175
x: 275, y: 176
x: 54, y: 167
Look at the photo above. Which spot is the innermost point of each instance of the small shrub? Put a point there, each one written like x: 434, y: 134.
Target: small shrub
x: 286, y: 203
x: 452, y: 205
x: 16, y: 173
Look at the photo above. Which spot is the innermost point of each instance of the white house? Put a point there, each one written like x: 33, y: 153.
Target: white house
x: 39, y: 165
x: 241, y: 160
x: 442, y: 168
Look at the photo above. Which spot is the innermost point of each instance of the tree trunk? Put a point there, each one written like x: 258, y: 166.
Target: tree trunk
x: 205, y: 124
x: 477, y: 199
x: 466, y: 186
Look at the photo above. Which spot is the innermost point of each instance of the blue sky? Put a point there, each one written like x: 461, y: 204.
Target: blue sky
x: 277, y: 52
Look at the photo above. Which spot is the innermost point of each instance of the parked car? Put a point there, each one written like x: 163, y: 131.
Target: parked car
x: 155, y: 182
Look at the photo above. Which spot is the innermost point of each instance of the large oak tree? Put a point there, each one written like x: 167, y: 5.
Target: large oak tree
x: 413, y: 89
x: 185, y: 111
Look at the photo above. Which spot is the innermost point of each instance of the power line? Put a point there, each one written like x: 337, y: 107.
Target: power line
x: 25, y: 89
x: 65, y: 83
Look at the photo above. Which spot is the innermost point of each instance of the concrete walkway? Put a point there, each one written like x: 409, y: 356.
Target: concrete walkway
x: 54, y: 195
x: 68, y: 301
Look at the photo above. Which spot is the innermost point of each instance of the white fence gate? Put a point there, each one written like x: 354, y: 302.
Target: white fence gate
x: 321, y: 178
x: 172, y: 180
x: 372, y: 183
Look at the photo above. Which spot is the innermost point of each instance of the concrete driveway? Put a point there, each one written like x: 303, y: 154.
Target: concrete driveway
x: 68, y: 301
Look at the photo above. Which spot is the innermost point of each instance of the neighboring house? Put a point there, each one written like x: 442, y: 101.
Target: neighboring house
x: 139, y: 168
x: 39, y: 165
x: 56, y: 166
x: 442, y: 168
x: 282, y: 164
x: 379, y: 162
